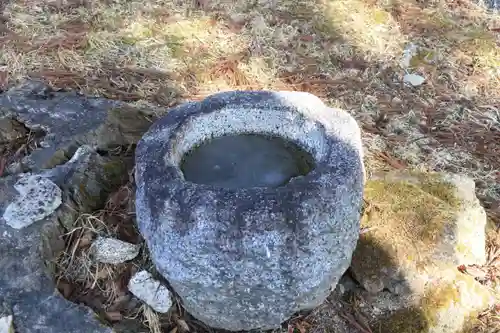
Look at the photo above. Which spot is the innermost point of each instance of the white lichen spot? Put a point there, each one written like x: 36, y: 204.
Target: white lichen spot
x: 38, y: 198
x: 113, y: 251
x: 151, y: 291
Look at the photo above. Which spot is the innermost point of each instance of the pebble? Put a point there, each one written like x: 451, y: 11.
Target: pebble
x: 150, y: 291
x: 113, y: 251
x: 414, y: 80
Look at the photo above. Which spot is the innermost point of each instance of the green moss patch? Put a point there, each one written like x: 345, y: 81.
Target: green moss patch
x: 406, y: 220
x: 447, y: 297
x: 419, y: 318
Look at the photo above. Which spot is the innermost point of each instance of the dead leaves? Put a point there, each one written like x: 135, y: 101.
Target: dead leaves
x: 357, y: 320
x: 227, y: 69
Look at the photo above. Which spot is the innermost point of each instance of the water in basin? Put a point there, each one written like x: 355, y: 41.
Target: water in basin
x: 244, y: 161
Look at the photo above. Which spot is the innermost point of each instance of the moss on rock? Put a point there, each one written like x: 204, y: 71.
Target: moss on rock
x: 448, y: 306
x: 418, y: 227
x: 407, y: 219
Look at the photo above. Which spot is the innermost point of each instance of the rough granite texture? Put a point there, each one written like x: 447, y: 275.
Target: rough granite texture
x: 25, y: 281
x: 38, y: 198
x: 68, y: 120
x: 151, y: 291
x: 492, y: 4
x: 75, y: 128
x: 113, y: 251
x: 250, y: 258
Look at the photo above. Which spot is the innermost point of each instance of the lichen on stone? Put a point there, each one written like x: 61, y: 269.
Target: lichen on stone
x: 447, y: 306
x: 406, y: 220
x: 417, y: 228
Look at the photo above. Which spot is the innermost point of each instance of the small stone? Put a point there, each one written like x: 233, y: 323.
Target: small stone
x: 114, y: 251
x: 413, y: 79
x: 373, y: 285
x: 6, y: 324
x: 410, y: 51
x: 149, y: 290
x: 39, y: 197
x: 238, y: 19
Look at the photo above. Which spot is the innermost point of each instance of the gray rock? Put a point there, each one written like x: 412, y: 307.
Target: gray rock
x: 66, y: 120
x: 26, y: 283
x: 38, y: 198
x: 492, y: 4
x: 248, y: 258
x: 84, y: 179
x: 113, y: 251
x: 151, y: 291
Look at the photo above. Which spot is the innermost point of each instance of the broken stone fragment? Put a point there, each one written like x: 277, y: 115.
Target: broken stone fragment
x: 6, y: 324
x: 114, y: 251
x: 38, y: 198
x: 77, y: 128
x: 151, y: 291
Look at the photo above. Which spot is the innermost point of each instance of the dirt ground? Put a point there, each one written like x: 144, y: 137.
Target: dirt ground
x: 348, y: 52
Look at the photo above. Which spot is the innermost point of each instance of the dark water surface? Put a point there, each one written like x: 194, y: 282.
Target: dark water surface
x: 244, y: 161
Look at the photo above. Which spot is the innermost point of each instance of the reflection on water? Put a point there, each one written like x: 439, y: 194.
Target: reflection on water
x: 245, y: 160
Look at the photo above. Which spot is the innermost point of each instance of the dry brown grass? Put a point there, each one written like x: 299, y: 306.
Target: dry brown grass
x: 103, y: 287
x: 488, y: 275
x: 348, y: 52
